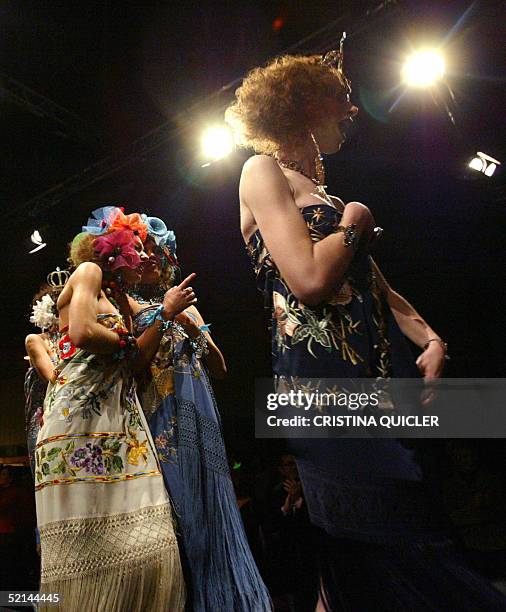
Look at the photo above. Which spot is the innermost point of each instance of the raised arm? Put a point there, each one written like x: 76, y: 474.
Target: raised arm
x: 176, y: 299
x: 84, y: 330
x: 39, y: 357
x: 414, y: 326
x: 311, y: 269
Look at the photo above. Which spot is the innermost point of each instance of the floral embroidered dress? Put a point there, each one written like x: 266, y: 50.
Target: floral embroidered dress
x: 380, y: 542
x: 102, y: 510
x: 367, y: 489
x: 178, y: 400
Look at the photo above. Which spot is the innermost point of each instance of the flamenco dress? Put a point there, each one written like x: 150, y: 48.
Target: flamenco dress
x: 179, y: 403
x: 381, y: 543
x: 104, y: 516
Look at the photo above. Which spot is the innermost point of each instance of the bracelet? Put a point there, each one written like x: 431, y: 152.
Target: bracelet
x: 199, y: 345
x: 127, y: 345
x: 350, y: 234
x: 441, y: 342
x: 164, y: 324
x: 157, y: 315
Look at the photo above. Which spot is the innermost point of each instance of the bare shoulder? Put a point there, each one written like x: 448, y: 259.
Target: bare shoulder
x: 87, y: 276
x: 33, y: 340
x: 87, y: 271
x: 259, y: 163
x: 263, y: 181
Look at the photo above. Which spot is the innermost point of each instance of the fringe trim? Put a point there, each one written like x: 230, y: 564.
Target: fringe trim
x: 156, y: 585
x: 224, y: 574
x: 113, y: 563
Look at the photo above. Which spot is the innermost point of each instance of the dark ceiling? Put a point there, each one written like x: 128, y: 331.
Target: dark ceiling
x: 102, y: 102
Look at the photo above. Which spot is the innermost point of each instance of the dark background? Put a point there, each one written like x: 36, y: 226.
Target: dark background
x: 82, y: 81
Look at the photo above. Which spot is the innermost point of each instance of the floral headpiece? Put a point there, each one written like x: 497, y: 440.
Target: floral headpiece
x: 160, y: 233
x: 117, y: 250
x: 100, y: 220
x: 44, y: 313
x: 112, y: 219
x: 164, y: 238
x: 132, y: 222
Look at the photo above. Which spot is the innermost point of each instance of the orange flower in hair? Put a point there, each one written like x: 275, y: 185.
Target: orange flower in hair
x: 132, y: 222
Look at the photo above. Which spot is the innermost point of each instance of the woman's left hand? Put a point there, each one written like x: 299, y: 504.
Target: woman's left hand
x: 431, y: 363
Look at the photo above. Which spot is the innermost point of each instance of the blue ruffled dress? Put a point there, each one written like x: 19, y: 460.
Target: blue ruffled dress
x: 179, y: 403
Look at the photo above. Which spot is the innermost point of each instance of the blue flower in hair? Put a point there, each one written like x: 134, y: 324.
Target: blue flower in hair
x: 100, y: 220
x: 160, y: 234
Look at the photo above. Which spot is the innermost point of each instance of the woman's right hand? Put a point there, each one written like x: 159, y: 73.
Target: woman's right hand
x: 177, y: 298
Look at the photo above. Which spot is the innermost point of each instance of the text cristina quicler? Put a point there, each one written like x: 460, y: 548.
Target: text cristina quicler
x: 354, y: 420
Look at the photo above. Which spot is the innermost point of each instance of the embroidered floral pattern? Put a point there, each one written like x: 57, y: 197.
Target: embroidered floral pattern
x: 335, y: 325
x: 93, y: 457
x: 165, y: 442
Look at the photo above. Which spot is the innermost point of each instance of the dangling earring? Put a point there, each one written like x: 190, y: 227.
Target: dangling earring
x: 318, y: 163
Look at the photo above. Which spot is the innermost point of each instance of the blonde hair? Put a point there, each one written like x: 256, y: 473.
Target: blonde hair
x: 81, y: 249
x: 278, y: 104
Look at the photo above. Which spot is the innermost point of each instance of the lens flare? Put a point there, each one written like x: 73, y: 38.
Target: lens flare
x: 217, y: 143
x: 423, y: 68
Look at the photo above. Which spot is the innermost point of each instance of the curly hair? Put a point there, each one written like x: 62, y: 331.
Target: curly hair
x: 82, y: 249
x: 278, y: 103
x: 167, y: 269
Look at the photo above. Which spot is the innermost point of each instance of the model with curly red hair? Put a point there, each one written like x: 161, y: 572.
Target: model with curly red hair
x: 335, y: 316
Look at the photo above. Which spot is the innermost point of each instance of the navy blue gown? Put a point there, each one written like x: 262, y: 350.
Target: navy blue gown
x: 385, y: 550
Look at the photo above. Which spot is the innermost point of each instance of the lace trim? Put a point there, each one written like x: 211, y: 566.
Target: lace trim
x: 77, y: 547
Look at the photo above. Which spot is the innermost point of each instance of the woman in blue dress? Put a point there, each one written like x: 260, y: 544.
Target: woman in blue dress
x: 335, y: 316
x: 178, y: 400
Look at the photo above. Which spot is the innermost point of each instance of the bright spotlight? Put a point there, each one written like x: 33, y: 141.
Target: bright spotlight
x: 36, y: 239
x: 217, y: 143
x: 476, y: 164
x: 484, y: 163
x: 423, y: 68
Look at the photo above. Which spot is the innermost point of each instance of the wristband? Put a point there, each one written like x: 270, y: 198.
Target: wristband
x: 164, y: 324
x: 350, y: 233
x: 157, y: 315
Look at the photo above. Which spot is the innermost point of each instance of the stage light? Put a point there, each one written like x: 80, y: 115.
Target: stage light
x: 484, y: 163
x: 36, y: 239
x: 476, y: 164
x: 423, y: 68
x: 490, y: 169
x: 217, y: 143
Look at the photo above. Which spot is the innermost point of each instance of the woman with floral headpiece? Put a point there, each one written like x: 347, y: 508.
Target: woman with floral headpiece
x: 335, y: 316
x: 177, y: 397
x: 105, y: 521
x: 42, y: 354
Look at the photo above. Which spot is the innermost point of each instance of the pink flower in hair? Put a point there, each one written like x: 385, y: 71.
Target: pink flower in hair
x: 117, y: 250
